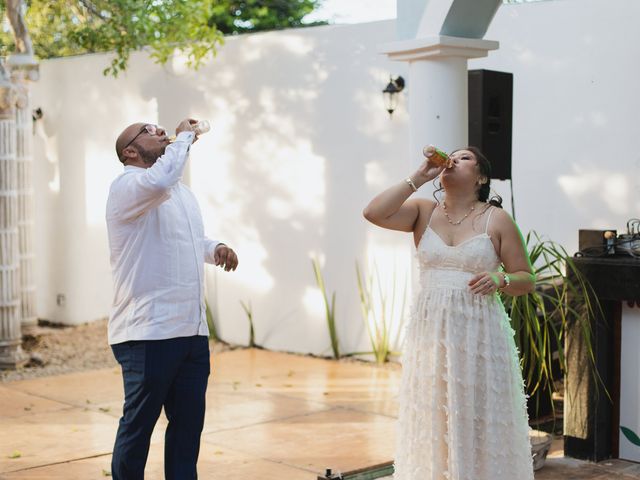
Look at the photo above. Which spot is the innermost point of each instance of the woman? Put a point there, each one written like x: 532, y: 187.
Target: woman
x: 462, y: 412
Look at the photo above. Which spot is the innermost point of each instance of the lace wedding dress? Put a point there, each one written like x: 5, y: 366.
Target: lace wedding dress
x: 462, y: 412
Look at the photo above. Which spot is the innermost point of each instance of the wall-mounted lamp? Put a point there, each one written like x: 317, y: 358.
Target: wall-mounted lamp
x: 37, y: 114
x: 390, y: 93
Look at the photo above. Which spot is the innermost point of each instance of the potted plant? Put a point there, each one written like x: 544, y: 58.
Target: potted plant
x: 540, y: 320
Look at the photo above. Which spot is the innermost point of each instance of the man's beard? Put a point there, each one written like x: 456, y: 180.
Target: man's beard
x: 147, y: 156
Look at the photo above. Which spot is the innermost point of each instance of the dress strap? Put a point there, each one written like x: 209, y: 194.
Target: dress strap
x: 486, y: 229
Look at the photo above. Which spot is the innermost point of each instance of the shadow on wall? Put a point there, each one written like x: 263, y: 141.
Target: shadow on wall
x: 282, y: 175
x: 617, y: 193
x: 300, y: 142
x: 74, y: 165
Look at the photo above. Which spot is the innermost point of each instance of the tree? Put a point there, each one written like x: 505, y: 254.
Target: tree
x: 245, y: 16
x: 194, y: 27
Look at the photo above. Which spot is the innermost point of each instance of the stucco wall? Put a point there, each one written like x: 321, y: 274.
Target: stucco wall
x: 300, y: 143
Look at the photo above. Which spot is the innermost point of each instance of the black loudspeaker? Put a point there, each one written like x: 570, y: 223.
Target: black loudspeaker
x: 490, y: 116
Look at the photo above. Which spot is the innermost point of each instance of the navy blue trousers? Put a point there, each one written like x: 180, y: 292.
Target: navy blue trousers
x: 170, y: 373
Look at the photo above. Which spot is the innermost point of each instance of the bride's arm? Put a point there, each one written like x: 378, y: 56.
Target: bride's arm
x: 393, y: 209
x: 514, y: 256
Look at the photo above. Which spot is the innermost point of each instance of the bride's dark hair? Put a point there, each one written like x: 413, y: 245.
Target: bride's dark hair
x: 485, y: 170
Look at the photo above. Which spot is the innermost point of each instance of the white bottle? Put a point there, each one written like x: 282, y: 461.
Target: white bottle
x: 201, y: 127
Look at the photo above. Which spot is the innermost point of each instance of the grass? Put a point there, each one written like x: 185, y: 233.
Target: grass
x: 330, y: 312
x: 249, y: 312
x: 379, y: 312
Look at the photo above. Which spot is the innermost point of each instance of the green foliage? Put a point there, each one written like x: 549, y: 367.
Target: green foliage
x: 193, y: 27
x: 541, y: 318
x: 378, y: 312
x: 329, y: 307
x: 244, y: 16
x: 249, y: 312
x: 630, y: 435
x: 213, y: 333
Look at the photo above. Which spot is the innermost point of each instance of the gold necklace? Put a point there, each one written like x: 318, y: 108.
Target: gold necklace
x: 444, y: 209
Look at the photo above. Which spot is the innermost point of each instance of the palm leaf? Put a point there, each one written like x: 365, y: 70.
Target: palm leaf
x: 541, y: 318
x: 630, y: 435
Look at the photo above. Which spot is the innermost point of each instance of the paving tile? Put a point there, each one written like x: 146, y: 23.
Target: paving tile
x: 15, y: 403
x: 95, y: 468
x: 348, y: 384
x: 621, y: 466
x: 228, y: 411
x: 215, y: 462
x: 240, y: 409
x: 557, y: 448
x: 573, y: 469
x: 353, y: 388
x: 339, y: 438
x: 269, y: 415
x: 79, y: 389
x: 554, y: 470
x: 615, y: 476
x: 250, y: 366
x: 53, y: 437
x: 354, y: 391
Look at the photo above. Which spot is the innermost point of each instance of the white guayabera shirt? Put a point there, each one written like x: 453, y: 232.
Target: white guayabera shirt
x: 158, y: 251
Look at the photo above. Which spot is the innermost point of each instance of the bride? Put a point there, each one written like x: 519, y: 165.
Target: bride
x: 462, y: 413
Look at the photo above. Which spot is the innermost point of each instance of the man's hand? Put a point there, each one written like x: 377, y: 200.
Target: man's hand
x: 225, y: 258
x: 186, y: 125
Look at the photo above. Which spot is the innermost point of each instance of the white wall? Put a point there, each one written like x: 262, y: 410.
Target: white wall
x: 301, y: 142
x: 300, y: 133
x: 301, y: 139
x: 575, y: 159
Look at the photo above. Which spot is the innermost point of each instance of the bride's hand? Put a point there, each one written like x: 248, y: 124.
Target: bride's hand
x: 485, y: 283
x: 427, y: 172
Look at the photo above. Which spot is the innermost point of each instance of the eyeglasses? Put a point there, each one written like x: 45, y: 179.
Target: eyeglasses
x: 150, y: 129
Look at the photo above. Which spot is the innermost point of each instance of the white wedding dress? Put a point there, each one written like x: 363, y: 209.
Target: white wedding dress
x: 462, y: 413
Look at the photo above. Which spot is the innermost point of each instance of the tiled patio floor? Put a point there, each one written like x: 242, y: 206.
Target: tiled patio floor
x: 269, y: 415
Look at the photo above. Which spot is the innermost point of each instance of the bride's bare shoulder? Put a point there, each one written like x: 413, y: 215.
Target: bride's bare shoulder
x: 501, y: 216
x: 425, y: 205
x: 503, y: 224
x: 426, y: 208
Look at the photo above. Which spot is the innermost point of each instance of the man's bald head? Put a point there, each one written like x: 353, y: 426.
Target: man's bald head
x: 126, y: 136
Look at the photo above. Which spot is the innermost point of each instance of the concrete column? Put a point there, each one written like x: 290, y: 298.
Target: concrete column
x: 11, y: 354
x: 24, y: 70
x: 437, y: 90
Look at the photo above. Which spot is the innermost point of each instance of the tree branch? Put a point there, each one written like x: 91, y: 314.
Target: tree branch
x: 92, y: 9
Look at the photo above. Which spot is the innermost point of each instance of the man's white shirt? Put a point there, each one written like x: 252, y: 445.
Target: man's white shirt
x: 158, y: 250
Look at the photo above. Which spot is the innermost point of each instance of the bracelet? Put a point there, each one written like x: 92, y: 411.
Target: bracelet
x: 507, y: 281
x: 411, y: 184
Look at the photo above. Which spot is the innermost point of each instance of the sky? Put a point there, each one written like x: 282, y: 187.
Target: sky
x: 358, y: 11
x: 354, y: 11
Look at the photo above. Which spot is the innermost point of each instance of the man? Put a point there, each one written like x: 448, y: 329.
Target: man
x: 157, y: 329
